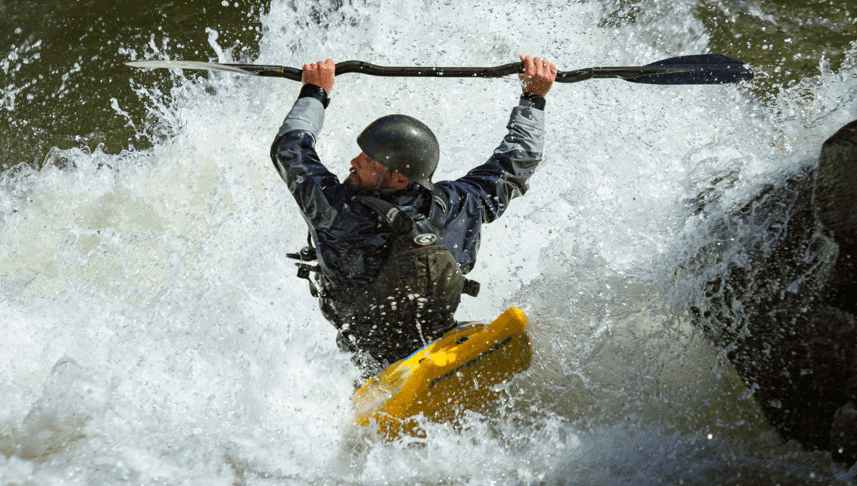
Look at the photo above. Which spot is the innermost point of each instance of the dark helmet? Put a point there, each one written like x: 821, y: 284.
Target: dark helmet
x: 402, y: 144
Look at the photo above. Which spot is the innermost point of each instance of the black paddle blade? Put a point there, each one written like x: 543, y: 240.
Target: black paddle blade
x: 699, y: 69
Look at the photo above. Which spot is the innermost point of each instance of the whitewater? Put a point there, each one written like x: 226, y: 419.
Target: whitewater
x: 155, y: 332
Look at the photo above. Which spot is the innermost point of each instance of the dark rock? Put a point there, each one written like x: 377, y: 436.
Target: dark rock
x: 843, y: 435
x: 834, y: 194
x: 834, y: 199
x: 780, y: 297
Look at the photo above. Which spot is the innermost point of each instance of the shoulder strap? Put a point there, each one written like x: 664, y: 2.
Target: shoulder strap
x: 399, y: 220
x: 395, y: 217
x: 438, y: 208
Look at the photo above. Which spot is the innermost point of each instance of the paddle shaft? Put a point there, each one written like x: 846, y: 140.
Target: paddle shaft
x: 360, y: 67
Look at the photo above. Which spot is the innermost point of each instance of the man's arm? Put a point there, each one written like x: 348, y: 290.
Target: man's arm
x: 293, y: 151
x: 494, y: 184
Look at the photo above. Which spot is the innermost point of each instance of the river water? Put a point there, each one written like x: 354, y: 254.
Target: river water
x: 154, y: 332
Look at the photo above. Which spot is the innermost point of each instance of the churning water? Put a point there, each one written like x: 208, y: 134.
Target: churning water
x: 154, y: 331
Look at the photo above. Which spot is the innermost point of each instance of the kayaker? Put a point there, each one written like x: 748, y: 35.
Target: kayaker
x: 392, y: 246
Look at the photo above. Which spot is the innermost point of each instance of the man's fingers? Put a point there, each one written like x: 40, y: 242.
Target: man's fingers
x: 536, y: 66
x: 320, y: 74
x: 328, y: 66
x: 528, y: 63
x: 550, y: 69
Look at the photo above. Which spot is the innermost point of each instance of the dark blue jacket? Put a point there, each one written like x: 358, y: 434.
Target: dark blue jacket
x: 351, y: 239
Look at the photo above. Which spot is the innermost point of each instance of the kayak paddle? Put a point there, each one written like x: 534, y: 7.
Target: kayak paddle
x: 697, y: 69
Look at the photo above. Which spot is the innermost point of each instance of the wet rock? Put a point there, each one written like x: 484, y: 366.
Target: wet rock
x: 835, y: 190
x: 779, y: 296
x: 843, y: 435
x: 834, y: 199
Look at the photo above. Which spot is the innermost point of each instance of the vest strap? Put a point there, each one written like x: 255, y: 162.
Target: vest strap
x: 400, y: 222
x: 471, y: 287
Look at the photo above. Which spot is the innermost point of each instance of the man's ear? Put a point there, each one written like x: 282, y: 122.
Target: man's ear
x: 398, y: 181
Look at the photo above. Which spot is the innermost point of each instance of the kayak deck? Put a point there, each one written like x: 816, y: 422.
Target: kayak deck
x: 457, y: 372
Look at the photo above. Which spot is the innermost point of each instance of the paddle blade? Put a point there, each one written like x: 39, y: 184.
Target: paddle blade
x: 208, y: 66
x: 251, y: 69
x: 699, y: 69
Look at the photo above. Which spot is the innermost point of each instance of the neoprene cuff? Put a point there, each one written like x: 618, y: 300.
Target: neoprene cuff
x: 537, y: 101
x: 317, y: 92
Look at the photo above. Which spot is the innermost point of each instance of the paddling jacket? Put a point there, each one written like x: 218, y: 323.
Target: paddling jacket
x: 353, y: 241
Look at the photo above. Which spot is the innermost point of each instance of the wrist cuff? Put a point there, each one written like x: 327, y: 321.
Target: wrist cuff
x: 537, y: 101
x: 313, y: 91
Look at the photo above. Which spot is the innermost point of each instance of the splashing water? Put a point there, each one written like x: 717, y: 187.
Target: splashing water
x: 155, y: 332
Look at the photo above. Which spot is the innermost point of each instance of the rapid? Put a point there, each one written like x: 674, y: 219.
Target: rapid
x: 154, y: 331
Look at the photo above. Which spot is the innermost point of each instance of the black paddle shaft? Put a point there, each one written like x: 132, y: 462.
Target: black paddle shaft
x: 698, y: 69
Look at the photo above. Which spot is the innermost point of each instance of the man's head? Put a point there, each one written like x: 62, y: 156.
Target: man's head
x: 369, y: 175
x: 402, y: 144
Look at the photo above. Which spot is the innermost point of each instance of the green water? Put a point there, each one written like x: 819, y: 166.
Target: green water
x: 66, y: 56
x: 61, y: 62
x: 784, y: 40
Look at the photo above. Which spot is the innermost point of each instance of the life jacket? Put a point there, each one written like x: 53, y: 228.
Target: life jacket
x: 413, y: 298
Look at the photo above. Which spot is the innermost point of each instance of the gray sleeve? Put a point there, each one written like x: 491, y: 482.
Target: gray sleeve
x: 307, y: 115
x: 526, y: 136
x: 488, y: 189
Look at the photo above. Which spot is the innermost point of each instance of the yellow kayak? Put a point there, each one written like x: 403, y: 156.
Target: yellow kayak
x: 455, y: 373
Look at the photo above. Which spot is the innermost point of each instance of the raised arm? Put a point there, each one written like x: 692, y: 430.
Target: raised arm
x: 293, y: 151
x: 491, y: 186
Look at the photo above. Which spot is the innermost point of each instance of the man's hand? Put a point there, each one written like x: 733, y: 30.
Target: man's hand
x: 538, y: 75
x: 320, y: 74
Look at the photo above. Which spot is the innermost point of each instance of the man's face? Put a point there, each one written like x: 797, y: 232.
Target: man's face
x: 365, y: 172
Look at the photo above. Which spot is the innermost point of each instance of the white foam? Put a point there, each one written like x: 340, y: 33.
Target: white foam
x: 155, y: 331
